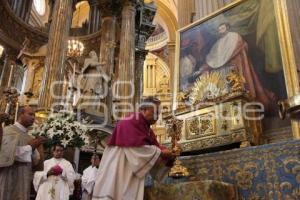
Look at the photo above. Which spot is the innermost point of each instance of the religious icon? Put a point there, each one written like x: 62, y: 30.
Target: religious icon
x: 242, y: 38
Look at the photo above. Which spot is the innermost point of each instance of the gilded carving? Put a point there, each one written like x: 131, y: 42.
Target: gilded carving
x: 235, y: 81
x: 208, y: 86
x: 193, y: 126
x: 207, y: 126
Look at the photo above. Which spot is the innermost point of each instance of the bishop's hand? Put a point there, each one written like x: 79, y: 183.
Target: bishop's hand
x: 167, y: 154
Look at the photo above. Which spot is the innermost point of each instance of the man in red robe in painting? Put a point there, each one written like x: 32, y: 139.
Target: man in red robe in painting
x: 231, y: 50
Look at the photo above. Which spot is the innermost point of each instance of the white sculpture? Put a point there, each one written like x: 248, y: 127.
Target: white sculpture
x: 92, y: 75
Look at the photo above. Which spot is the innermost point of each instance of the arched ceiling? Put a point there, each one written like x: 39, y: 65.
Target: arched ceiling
x: 81, y: 14
x: 166, y: 16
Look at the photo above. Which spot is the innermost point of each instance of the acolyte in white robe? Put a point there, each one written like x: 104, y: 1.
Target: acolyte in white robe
x: 88, y: 181
x: 54, y: 187
x: 122, y: 171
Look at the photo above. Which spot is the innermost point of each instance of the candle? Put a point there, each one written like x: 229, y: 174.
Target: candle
x: 16, y: 113
x: 7, y: 108
x: 10, y: 76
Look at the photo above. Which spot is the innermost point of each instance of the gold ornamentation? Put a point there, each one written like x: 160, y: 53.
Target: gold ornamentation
x: 200, y: 126
x: 208, y: 86
x: 296, y: 193
x: 174, y: 131
x: 207, y: 127
x: 244, y: 175
x: 193, y: 126
x: 235, y: 81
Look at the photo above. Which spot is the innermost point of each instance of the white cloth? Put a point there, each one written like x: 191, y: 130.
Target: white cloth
x: 122, y: 171
x: 88, y: 179
x: 187, y: 68
x: 222, y: 50
x: 24, y: 153
x: 54, y: 187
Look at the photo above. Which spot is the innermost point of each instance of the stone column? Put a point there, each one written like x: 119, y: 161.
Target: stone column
x: 107, y: 51
x: 4, y: 79
x: 171, y: 53
x: 138, y: 81
x: 185, y: 11
x: 94, y: 18
x: 56, y: 53
x: 125, y: 86
x: 30, y: 63
x: 26, y: 9
x: 22, y: 8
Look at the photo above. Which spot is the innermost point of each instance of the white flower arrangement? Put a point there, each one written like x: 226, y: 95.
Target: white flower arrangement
x: 63, y: 128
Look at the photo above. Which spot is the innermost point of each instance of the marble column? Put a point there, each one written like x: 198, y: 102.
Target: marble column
x: 125, y: 84
x: 22, y: 8
x: 12, y: 70
x: 4, y: 79
x: 107, y: 52
x: 139, y: 65
x: 94, y: 18
x: 52, y: 83
x: 171, y: 62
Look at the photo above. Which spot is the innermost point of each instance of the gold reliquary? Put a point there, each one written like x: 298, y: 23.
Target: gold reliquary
x: 218, y: 111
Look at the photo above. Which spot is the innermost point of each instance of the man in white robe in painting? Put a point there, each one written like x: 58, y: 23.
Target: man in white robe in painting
x: 131, y: 153
x: 88, y: 178
x: 56, y: 182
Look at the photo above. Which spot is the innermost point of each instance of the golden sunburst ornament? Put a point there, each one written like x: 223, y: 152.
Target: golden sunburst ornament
x: 208, y: 86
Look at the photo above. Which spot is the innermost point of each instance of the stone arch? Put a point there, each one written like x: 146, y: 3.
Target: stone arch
x: 167, y: 19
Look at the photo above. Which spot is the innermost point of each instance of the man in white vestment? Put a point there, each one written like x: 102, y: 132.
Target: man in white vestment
x: 18, y: 152
x: 88, y: 178
x: 131, y: 153
x: 56, y: 181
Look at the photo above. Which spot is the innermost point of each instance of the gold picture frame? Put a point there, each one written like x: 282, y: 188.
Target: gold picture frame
x: 285, y: 47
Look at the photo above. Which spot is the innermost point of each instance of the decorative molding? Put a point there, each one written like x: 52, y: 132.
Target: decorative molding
x: 157, y: 42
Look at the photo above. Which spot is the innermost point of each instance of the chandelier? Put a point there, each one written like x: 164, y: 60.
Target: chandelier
x: 75, y: 48
x: 1, y: 50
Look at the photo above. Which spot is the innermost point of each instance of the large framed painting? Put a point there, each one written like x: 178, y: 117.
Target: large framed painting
x: 239, y: 43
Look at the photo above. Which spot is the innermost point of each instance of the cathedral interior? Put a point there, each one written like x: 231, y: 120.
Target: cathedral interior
x: 226, y: 72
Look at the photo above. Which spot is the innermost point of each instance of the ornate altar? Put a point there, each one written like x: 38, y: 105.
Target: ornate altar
x: 218, y: 111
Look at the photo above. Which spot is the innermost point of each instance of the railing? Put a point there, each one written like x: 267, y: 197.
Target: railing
x: 157, y: 41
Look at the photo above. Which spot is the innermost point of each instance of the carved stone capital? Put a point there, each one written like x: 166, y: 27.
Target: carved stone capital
x: 109, y: 8
x: 129, y: 3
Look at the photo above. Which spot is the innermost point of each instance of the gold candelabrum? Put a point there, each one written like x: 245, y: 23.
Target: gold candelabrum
x: 174, y: 131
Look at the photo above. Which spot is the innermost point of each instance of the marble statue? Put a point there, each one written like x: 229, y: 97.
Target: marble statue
x: 92, y: 76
